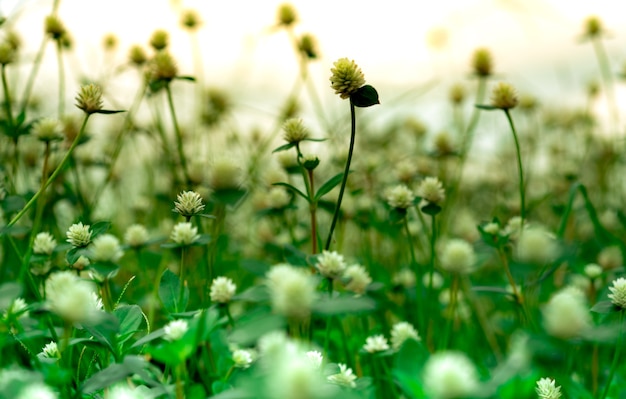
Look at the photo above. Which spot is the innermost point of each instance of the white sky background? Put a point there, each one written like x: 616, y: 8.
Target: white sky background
x: 534, y: 42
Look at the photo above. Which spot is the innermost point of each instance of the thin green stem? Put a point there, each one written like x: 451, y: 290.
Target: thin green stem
x: 54, y: 175
x: 616, y: 355
x: 522, y: 188
x: 179, y: 136
x: 312, y: 210
x: 61, y: 79
x: 345, y: 175
x: 607, y: 78
x: 431, y: 272
x: 33, y: 74
x: 409, y: 240
x: 181, y: 290
x: 454, y: 289
x: 7, y: 99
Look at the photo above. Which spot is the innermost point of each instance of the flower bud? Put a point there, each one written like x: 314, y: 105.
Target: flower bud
x: 190, y: 19
x: 222, y: 290
x: 188, y: 203
x: 137, y: 55
x: 79, y: 235
x: 504, y: 96
x: 44, y: 244
x: 294, y: 131
x: 346, y: 77
x: 159, y: 39
x: 48, y: 129
x: 286, y: 15
x: 482, y: 62
x: 54, y: 27
x: 89, y: 98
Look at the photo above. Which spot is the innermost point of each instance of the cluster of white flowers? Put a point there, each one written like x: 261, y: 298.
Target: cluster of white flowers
x: 136, y: 235
x: 242, y: 358
x: 188, y: 203
x: 618, y: 292
x: 106, y: 248
x: 331, y: 264
x: 536, y: 245
x: 357, y: 279
x: 431, y: 190
x: 184, y: 233
x: 547, y: 389
x: 400, y: 197
x: 376, y: 343
x: 222, y: 289
x: 79, y: 235
x: 44, y: 244
x: 50, y: 351
x: 345, y: 377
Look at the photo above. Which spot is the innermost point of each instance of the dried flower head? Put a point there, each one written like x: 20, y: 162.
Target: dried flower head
x: 402, y: 331
x: 618, y: 292
x: 431, y: 190
x: 295, y: 131
x: 376, y: 343
x: 174, y: 330
x: 399, y: 197
x: 286, y: 15
x: 346, y: 77
x: 358, y: 279
x: 54, y: 27
x: 331, y: 264
x: 48, y: 129
x: 106, y: 248
x: 184, y: 233
x: 222, y: 289
x: 79, y: 235
x: 159, y: 39
x: 190, y: 19
x: 188, y: 203
x: 504, y: 96
x: 547, y: 389
x: 44, y: 243
x: 345, y: 377
x: 89, y: 98
x: 448, y: 375
x: 482, y: 62
x: 136, y: 235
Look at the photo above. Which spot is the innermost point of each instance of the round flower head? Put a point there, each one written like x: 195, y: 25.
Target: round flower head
x: 278, y: 198
x: 174, y: 330
x: 54, y: 27
x: 457, y: 94
x: 431, y: 190
x: 159, y: 39
x: 295, y: 131
x: 50, y: 351
x: 163, y: 67
x: 504, y: 96
x: 190, y: 19
x: 184, y: 233
x: 331, y: 264
x: 106, y: 248
x: 137, y: 55
x: 310, y: 161
x: 345, y: 377
x: 566, y: 315
x: 7, y: 53
x: 405, y: 278
x: 37, y: 390
x: 308, y: 46
x: 376, y: 343
x: 17, y: 309
x: 292, y: 290
x: 136, y: 235
x: 225, y: 175
x: 618, y: 292
x: 286, y: 15
x: 48, y: 129
x: 89, y: 98
x: 70, y: 297
x: 547, y: 389
x: 79, y: 235
x: 458, y: 256
x: 44, y: 243
x: 188, y: 203
x: 610, y: 258
x: 346, y: 77
x: 401, y: 332
x: 358, y: 279
x: 449, y: 375
x: 482, y: 62
x: 400, y: 197
x: 222, y: 289
x: 242, y: 358
x: 593, y: 27
x: 315, y: 358
x: 536, y: 245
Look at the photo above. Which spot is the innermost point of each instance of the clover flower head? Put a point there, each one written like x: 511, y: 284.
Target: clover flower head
x: 404, y: 278
x: 44, y: 243
x: 225, y: 175
x: 593, y: 27
x: 54, y: 27
x: 458, y: 256
x: 242, y: 358
x: 308, y: 46
x: 504, y: 96
x: 547, y: 389
x: 402, y: 331
x: 163, y: 67
x: 376, y: 343
x: 346, y: 77
x: 400, y: 197
x: 8, y: 53
x: 136, y: 235
x: 316, y: 358
x: 566, y: 315
x: 292, y: 290
x: 79, y: 235
x: 294, y: 130
x: 618, y: 292
x: 286, y: 15
x: 536, y: 245
x: 48, y: 129
x: 449, y: 374
x: 159, y: 39
x: 331, y: 264
x: 50, y: 351
x: 174, y: 330
x: 357, y: 279
x: 70, y: 297
x: 610, y: 258
x: 188, y: 203
x: 482, y: 62
x: 184, y: 233
x: 106, y: 248
x: 190, y: 19
x: 431, y: 189
x: 222, y: 289
x: 345, y: 377
x: 89, y: 98
x: 137, y: 55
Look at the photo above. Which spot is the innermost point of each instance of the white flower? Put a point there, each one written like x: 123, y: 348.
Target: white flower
x: 136, y: 235
x: 449, y: 375
x: 536, y: 245
x: 294, y: 131
x: 37, y: 390
x: 331, y: 264
x: 593, y: 270
x: 292, y: 290
x: 345, y: 377
x: 70, y: 297
x: 106, y: 248
x: 48, y: 129
x: 400, y: 197
x: 610, y: 258
x: 402, y: 331
x: 458, y: 256
x: 50, y: 351
x: 437, y: 280
x: 174, y: 330
x: 188, y: 203
x: 242, y: 358
x: 431, y: 190
x: 184, y: 233
x: 315, y: 358
x: 79, y: 235
x: 18, y: 307
x: 346, y: 77
x: 277, y: 198
x: 376, y: 343
x: 547, y: 389
x: 222, y: 289
x: 121, y: 391
x: 618, y: 292
x: 405, y: 278
x: 566, y: 315
x: 358, y: 279
x: 44, y: 243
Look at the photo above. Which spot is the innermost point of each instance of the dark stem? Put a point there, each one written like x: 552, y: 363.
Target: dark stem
x: 519, y: 166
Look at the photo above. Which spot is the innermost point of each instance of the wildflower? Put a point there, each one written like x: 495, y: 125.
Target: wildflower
x: 547, y: 389
x: 293, y: 376
x: 358, y: 279
x: 81, y: 263
x: 278, y: 198
x: 44, y: 243
x: 345, y: 377
x: 18, y: 308
x: 159, y: 39
x: 54, y: 27
x: 163, y: 67
x: 405, y: 278
x: 618, y: 292
x: 48, y: 129
x: 400, y: 197
x: 457, y: 94
x: 190, y: 19
x: 222, y: 289
x: 458, y: 256
x: 610, y: 258
x: 89, y: 99
x: 437, y: 280
x: 346, y: 77
x: 448, y: 375
x: 482, y: 63
x: 70, y: 297
x: 310, y: 161
x: 225, y: 175
x: 431, y: 190
x: 50, y: 351
x: 504, y: 96
x: 106, y: 248
x: 174, y: 330
x: 110, y: 42
x: 566, y: 315
x: 184, y: 233
x: 402, y: 331
x: 536, y: 245
x: 376, y: 343
x: 331, y: 264
x: 137, y: 55
x: 292, y: 290
x: 242, y: 358
x: 315, y: 358
x: 136, y: 235
x: 37, y: 390
x: 79, y: 235
x: 294, y: 131
x: 286, y: 15
x: 188, y: 203
x: 593, y: 27
x: 308, y: 46
x: 122, y: 391
x: 7, y: 53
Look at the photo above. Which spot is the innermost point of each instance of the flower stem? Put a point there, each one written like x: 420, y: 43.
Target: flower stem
x: 181, y: 290
x: 313, y: 209
x: 61, y: 79
x: 179, y: 137
x: 410, y: 241
x: 616, y: 355
x: 345, y: 175
x: 607, y: 78
x: 7, y: 99
x: 522, y: 189
x: 33, y: 74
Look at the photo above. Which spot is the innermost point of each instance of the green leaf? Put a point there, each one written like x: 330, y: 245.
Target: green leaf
x: 230, y: 196
x: 73, y: 254
x: 344, y: 305
x: 169, y: 290
x: 431, y: 209
x: 247, y: 332
x: 294, y: 189
x: 187, y: 78
x: 284, y: 147
x: 99, y: 228
x: 328, y: 186
x: 108, y: 112
x: 605, y: 307
x: 105, y: 269
x: 130, y: 318
x: 411, y: 357
x: 13, y: 203
x: 486, y: 107
x: 365, y: 96
x: 294, y: 256
x: 116, y: 372
x: 104, y: 330
x: 8, y: 293
x: 148, y: 338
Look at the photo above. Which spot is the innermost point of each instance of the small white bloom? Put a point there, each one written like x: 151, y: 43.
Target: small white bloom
x: 184, y: 233
x: 79, y: 235
x: 242, y: 358
x: 70, y: 297
x: 437, y: 280
x: 44, y: 243
x: 376, y: 343
x: 315, y: 358
x: 106, y: 248
x: 37, y: 390
x: 358, y: 279
x: 610, y: 258
x: 547, y: 389
x: 566, y: 315
x: 431, y: 190
x: 618, y: 292
x: 458, y: 256
x: 174, y: 330
x: 345, y: 377
x: 536, y: 245
x: 593, y: 270
x: 222, y: 289
x: 331, y: 264
x: 400, y: 197
x: 405, y: 278
x: 17, y: 307
x: 50, y: 351
x: 188, y: 203
x: 136, y: 235
x: 401, y: 332
x: 449, y: 375
x: 292, y: 290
